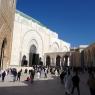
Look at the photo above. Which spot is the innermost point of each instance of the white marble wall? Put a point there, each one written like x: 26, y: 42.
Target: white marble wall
x: 27, y: 32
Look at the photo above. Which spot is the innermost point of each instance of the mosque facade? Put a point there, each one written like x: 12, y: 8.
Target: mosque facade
x: 32, y: 41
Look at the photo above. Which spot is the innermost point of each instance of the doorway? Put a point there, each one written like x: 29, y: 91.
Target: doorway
x: 33, y: 56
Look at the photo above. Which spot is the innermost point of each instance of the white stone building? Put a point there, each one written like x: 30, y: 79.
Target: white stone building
x: 30, y: 38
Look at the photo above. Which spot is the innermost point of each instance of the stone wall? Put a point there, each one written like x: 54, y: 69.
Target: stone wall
x: 7, y: 11
x: 89, y: 56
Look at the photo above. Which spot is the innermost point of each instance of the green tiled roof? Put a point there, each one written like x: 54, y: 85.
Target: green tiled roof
x: 30, y: 18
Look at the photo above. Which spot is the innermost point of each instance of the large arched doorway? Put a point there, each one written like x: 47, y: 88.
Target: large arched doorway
x: 31, y: 38
x: 58, y: 61
x: 33, y: 56
x: 48, y: 61
x: 2, y: 52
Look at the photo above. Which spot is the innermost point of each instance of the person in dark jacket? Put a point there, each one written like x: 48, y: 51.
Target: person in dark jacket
x: 75, y: 81
x: 3, y: 76
x: 62, y: 75
x: 91, y: 83
x: 14, y: 74
x: 32, y: 73
x: 18, y: 75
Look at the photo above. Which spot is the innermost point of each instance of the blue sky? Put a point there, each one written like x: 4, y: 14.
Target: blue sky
x: 73, y: 20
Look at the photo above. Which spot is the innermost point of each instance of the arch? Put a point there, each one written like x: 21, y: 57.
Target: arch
x: 65, y: 48
x: 34, y: 42
x: 33, y: 56
x: 4, y: 43
x: 32, y: 37
x: 33, y: 49
x: 55, y: 47
x: 58, y: 58
x: 48, y: 62
x: 33, y: 33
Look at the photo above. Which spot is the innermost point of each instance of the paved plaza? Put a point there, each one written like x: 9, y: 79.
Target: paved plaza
x: 43, y: 86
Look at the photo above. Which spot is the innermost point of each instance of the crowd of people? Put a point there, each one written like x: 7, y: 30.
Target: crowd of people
x: 71, y: 80
x: 16, y: 75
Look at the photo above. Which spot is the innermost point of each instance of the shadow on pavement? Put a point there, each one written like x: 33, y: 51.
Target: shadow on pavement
x: 38, y: 87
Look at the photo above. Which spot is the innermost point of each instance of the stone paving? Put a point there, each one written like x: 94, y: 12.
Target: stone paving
x: 43, y: 86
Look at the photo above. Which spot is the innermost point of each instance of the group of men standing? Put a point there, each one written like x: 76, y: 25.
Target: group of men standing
x: 71, y: 80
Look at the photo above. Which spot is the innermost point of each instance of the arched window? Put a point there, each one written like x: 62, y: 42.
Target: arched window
x: 65, y: 48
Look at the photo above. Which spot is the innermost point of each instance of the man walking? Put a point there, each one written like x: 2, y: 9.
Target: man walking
x: 76, y: 80
x: 3, y: 76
